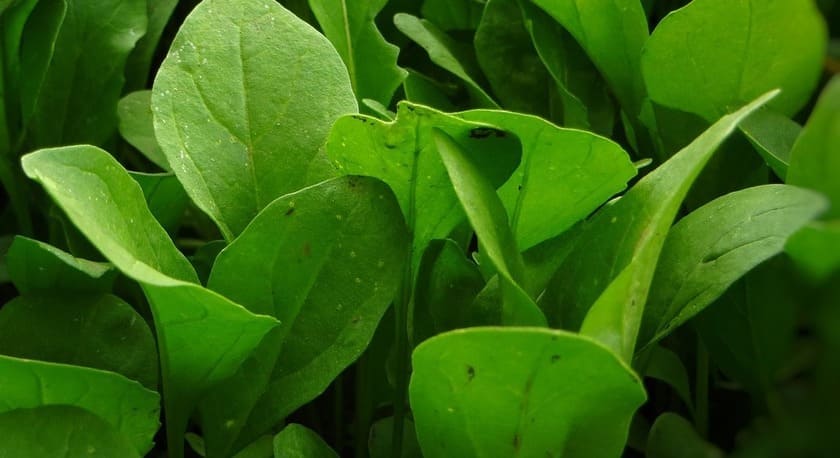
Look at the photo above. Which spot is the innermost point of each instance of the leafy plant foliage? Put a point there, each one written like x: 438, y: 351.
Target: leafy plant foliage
x: 399, y: 228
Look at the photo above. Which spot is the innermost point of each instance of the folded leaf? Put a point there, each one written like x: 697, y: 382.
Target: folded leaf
x: 242, y: 105
x: 35, y: 266
x: 521, y: 392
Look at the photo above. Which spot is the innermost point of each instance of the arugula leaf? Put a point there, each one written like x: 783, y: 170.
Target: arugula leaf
x: 735, y: 51
x: 242, y: 105
x: 449, y: 54
x: 701, y: 260
x: 370, y: 60
x: 61, y: 431
x: 607, y: 276
x: 202, y: 336
x: 494, y: 392
x: 28, y: 384
x: 92, y: 330
x: 296, y: 441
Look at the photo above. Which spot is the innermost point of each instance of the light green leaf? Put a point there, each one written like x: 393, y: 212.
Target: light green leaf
x: 607, y: 276
x: 296, y: 441
x: 138, y: 67
x: 612, y: 32
x: 92, y: 330
x: 61, y: 431
x: 773, y: 135
x: 578, y: 169
x: 370, y: 60
x: 34, y: 265
x: 672, y: 436
x: 326, y: 262
x: 137, y: 126
x: 487, y: 215
x: 715, y: 245
x: 202, y: 336
x: 508, y: 58
x: 450, y: 55
x: 122, y: 403
x: 74, y: 58
x: 243, y: 104
x: 735, y: 51
x: 403, y: 154
x: 494, y: 392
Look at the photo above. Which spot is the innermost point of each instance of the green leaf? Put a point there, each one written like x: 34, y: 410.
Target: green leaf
x: 581, y: 90
x: 296, y: 441
x: 494, y: 392
x: 579, y: 176
x: 730, y: 52
x: 92, y: 330
x: 514, y: 69
x: 88, y: 184
x: 74, y: 58
x: 453, y: 14
x: 749, y: 331
x: 452, y: 56
x: 139, y: 64
x: 607, y: 276
x: 714, y: 246
x: 165, y: 197
x: 243, y: 104
x: 326, y: 262
x: 814, y: 249
x: 370, y: 60
x: 422, y: 90
x: 773, y: 135
x: 403, y: 154
x: 202, y: 336
x: 35, y: 266
x: 61, y: 431
x: 136, y: 125
x: 672, y: 436
x: 122, y: 403
x: 487, y: 215
x: 612, y: 32
x: 664, y: 365
x: 379, y: 441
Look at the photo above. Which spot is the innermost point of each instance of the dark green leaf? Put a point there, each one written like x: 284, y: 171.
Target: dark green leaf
x: 139, y: 63
x: 296, y: 441
x: 672, y: 436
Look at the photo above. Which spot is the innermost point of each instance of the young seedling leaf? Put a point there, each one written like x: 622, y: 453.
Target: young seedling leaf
x: 370, y: 60
x: 202, y: 336
x: 242, y: 105
x: 487, y: 215
x: 734, y: 52
x: 494, y: 392
x: 717, y: 244
x: 326, y: 262
x: 61, y: 430
x: 607, y: 276
x: 124, y: 404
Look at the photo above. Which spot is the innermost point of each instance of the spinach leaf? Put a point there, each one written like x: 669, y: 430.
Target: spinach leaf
x: 136, y: 125
x: 242, y: 105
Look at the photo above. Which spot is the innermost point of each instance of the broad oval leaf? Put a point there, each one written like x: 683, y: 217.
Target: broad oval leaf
x: 242, y: 105
x: 122, y: 403
x: 521, y: 392
x: 92, y: 330
x: 370, y: 60
x: 202, y: 336
x: 607, y: 275
x: 61, y: 431
x: 715, y: 245
x: 736, y: 51
x: 326, y: 261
